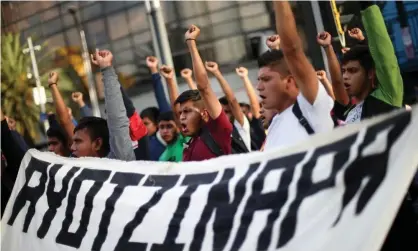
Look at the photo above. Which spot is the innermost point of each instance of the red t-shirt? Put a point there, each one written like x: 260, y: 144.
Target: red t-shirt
x: 221, y: 130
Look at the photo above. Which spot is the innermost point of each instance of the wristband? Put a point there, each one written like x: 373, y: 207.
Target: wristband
x: 187, y: 39
x: 49, y: 85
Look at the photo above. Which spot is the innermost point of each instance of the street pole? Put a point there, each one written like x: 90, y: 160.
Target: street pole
x: 319, y: 24
x: 159, y: 34
x: 31, y: 51
x: 87, y: 65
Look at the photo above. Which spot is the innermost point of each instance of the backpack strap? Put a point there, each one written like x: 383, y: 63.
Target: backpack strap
x: 237, y: 142
x: 302, y: 120
x: 210, y: 142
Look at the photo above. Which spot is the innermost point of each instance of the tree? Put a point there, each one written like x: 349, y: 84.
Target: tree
x: 16, y: 86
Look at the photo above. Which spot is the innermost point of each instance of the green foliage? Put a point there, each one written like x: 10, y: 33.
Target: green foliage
x: 16, y: 88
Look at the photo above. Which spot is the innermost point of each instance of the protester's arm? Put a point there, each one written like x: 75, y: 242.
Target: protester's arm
x: 390, y: 85
x: 61, y: 109
x: 292, y: 47
x: 11, y: 150
x: 117, y: 121
x: 152, y: 63
x: 322, y: 76
x: 137, y: 128
x: 229, y: 94
x: 173, y: 93
x: 187, y: 75
x: 212, y: 104
x: 324, y: 40
x: 357, y: 34
x: 84, y: 109
x: 252, y: 96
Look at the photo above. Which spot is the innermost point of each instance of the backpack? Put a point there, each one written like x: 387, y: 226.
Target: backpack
x: 237, y: 143
x: 302, y: 120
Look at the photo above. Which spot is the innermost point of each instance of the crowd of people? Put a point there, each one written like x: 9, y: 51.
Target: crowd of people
x: 296, y: 102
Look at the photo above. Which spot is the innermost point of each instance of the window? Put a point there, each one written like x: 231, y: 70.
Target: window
x: 168, y: 11
x: 142, y: 38
x: 128, y: 69
x: 124, y: 57
x: 52, y: 26
x: 224, y: 15
x: 122, y: 44
x: 252, y: 9
x: 96, y: 32
x: 50, y: 13
x: 258, y: 22
x: 217, y: 5
x: 34, y: 19
x: 230, y: 49
x: 91, y: 11
x: 111, y: 6
x: 118, y: 26
x: 188, y: 9
x: 226, y: 29
x: 138, y: 18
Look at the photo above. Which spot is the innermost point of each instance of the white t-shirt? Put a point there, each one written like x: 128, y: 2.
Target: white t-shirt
x: 285, y: 129
x: 355, y: 114
x: 244, y: 131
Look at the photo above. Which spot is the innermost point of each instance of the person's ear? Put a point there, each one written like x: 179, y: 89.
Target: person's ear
x: 205, y: 115
x: 97, y: 144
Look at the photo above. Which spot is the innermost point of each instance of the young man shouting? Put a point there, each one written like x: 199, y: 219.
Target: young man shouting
x: 288, y: 83
x: 201, y: 114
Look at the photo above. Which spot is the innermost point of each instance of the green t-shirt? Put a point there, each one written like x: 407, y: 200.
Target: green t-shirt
x: 174, y: 151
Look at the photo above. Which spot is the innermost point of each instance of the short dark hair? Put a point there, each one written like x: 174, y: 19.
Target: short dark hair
x: 152, y: 113
x: 359, y: 53
x: 272, y: 58
x: 166, y: 116
x: 54, y: 132
x: 96, y: 128
x: 189, y: 95
x: 223, y: 101
x: 242, y: 104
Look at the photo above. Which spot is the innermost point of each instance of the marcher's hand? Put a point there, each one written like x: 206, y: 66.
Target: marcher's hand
x: 192, y: 33
x: 167, y: 72
x: 242, y: 72
x: 211, y: 67
x: 186, y: 73
x: 324, y: 39
x: 345, y: 50
x: 53, y: 78
x: 152, y: 62
x: 273, y: 42
x: 77, y: 97
x: 356, y: 33
x: 102, y: 58
x: 321, y: 75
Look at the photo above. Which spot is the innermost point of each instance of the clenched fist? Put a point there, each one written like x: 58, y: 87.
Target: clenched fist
x: 273, y: 42
x: 102, y: 58
x: 152, y: 62
x: 321, y: 75
x: 186, y: 73
x: 192, y: 33
x: 356, y: 33
x: 324, y: 39
x: 77, y: 96
x: 167, y: 72
x: 242, y: 72
x: 53, y: 78
x: 211, y: 67
x: 344, y: 50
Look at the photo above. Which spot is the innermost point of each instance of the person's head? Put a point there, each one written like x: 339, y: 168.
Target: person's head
x: 276, y: 85
x: 193, y: 114
x: 246, y: 109
x: 267, y: 116
x: 57, y: 142
x: 227, y: 108
x: 150, y: 116
x: 358, y: 71
x: 91, y: 138
x: 167, y: 127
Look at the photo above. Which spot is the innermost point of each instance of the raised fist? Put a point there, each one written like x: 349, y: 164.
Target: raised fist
x: 211, y: 66
x: 324, y: 39
x: 242, y: 72
x: 152, y: 62
x: 344, y: 50
x: 321, y: 75
x: 273, y: 42
x: 53, y: 78
x: 186, y: 73
x: 167, y: 72
x: 77, y: 97
x: 192, y: 33
x: 102, y: 58
x: 356, y: 33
